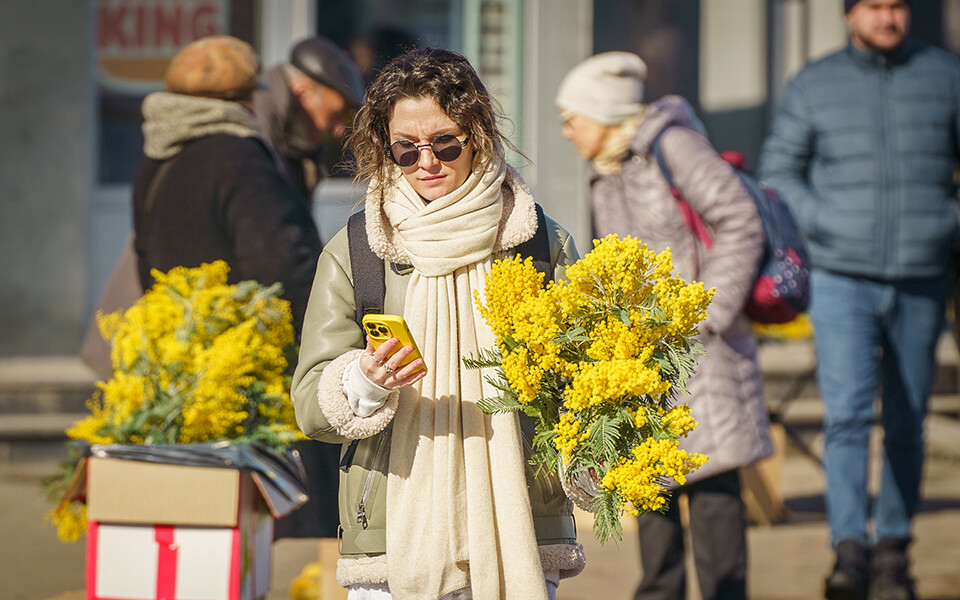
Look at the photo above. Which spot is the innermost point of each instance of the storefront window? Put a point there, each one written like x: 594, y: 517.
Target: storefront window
x: 135, y: 41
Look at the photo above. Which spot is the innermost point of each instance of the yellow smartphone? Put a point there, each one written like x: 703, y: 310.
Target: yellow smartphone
x: 381, y: 328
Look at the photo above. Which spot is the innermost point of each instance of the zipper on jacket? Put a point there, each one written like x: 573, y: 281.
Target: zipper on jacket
x: 368, y: 483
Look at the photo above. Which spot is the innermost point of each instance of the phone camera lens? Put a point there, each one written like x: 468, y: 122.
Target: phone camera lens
x: 383, y: 330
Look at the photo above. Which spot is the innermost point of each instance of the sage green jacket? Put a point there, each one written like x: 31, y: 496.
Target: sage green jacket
x: 331, y: 341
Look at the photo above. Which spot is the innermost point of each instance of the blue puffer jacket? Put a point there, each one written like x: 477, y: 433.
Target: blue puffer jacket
x: 863, y: 149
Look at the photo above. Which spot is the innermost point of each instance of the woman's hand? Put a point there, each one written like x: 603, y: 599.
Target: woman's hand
x: 382, y: 369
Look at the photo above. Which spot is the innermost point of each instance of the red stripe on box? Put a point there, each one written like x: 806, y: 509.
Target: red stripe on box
x: 166, y: 563
x: 92, y: 528
x: 234, y: 593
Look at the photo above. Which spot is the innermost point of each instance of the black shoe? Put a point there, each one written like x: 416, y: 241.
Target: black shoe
x: 890, y: 577
x: 851, y: 573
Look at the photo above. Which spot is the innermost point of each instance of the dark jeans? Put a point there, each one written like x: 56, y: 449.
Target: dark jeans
x: 874, y: 338
x: 718, y: 528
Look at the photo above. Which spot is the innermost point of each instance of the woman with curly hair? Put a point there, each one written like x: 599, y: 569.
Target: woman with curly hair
x: 442, y: 489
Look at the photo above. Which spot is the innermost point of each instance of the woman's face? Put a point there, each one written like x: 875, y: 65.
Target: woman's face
x: 420, y: 121
x: 588, y: 136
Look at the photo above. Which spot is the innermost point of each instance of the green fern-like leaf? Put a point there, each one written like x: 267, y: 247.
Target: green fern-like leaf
x: 498, y: 405
x: 606, y: 518
x: 571, y: 336
x: 605, y: 438
x: 486, y: 358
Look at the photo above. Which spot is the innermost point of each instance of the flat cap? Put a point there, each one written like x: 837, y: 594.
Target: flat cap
x: 218, y: 66
x: 328, y: 64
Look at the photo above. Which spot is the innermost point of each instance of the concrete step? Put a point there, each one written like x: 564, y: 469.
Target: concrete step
x: 44, y: 384
x: 35, y: 436
x: 40, y: 397
x: 789, y: 369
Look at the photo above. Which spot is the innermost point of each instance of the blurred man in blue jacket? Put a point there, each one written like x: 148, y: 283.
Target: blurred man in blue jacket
x: 864, y: 149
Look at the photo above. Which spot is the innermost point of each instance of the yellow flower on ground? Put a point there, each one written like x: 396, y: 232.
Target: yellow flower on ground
x: 70, y: 519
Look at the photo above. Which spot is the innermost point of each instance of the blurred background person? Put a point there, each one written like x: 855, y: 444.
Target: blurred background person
x: 306, y: 104
x: 372, y: 50
x: 603, y: 115
x: 209, y: 187
x: 864, y: 149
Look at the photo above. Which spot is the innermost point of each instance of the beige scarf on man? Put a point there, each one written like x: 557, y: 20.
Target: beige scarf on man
x: 170, y: 121
x: 458, y: 510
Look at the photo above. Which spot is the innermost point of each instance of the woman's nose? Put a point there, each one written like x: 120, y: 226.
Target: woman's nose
x: 427, y: 158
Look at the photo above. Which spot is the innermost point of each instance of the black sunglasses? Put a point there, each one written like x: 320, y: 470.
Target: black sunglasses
x: 445, y: 148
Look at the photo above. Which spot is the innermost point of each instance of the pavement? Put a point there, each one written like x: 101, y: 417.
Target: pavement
x: 788, y: 559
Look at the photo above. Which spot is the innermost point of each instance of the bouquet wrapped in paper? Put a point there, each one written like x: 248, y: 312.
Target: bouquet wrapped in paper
x: 195, y: 360
x: 598, y: 362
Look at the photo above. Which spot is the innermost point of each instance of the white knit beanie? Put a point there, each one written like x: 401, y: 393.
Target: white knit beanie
x: 606, y: 88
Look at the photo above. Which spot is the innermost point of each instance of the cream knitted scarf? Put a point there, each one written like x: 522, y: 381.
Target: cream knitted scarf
x: 458, y: 510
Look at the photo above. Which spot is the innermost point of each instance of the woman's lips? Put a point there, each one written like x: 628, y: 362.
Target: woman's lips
x: 433, y: 179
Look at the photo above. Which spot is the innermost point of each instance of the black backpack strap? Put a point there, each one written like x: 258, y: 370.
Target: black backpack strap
x: 367, y: 268
x: 657, y: 151
x: 538, y: 247
x: 369, y: 290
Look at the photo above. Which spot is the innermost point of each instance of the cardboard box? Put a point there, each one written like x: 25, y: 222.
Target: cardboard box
x: 762, y: 483
x: 160, y: 531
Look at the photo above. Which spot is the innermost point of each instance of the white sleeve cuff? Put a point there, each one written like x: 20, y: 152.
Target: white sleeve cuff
x: 364, y: 396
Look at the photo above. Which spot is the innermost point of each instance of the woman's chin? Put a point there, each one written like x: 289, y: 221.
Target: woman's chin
x: 430, y: 192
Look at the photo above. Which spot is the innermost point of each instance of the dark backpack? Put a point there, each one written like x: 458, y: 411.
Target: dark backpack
x: 782, y: 289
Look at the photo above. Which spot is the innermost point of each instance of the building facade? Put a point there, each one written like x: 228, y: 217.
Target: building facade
x: 74, y: 74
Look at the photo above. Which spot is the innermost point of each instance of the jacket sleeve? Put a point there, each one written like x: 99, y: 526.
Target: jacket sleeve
x: 786, y: 157
x: 329, y: 333
x: 272, y: 231
x: 563, y: 250
x: 716, y: 193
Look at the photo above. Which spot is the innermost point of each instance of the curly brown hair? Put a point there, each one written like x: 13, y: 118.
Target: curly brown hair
x: 443, y: 75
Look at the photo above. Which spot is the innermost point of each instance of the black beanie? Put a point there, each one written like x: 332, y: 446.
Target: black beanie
x: 848, y: 4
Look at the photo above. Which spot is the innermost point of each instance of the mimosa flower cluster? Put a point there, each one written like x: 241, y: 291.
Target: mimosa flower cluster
x: 195, y: 359
x: 597, y: 361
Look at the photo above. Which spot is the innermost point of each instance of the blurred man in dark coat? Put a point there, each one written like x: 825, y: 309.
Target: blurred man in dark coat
x: 210, y: 187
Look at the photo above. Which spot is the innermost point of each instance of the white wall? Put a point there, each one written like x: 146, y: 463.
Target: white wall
x: 558, y: 35
x: 46, y: 171
x: 733, y: 54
